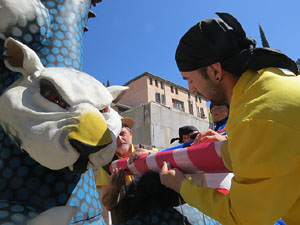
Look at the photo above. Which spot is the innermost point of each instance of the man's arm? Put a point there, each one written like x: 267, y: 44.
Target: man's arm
x: 250, y: 201
x: 266, y: 182
x: 138, y: 152
x: 208, y: 136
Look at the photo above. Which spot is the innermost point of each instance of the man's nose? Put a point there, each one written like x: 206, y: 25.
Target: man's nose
x: 119, y: 138
x: 191, y: 88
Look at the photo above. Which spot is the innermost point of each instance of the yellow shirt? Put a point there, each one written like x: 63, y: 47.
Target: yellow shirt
x: 263, y: 151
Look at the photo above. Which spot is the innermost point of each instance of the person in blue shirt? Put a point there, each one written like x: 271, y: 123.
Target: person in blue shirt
x: 219, y: 114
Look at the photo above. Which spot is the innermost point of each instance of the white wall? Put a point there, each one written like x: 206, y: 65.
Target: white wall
x: 157, y: 125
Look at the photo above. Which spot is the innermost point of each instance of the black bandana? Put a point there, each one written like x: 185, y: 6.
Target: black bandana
x: 224, y: 40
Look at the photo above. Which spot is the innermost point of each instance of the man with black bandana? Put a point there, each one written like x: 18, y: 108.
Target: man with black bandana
x: 262, y: 150
x: 186, y: 134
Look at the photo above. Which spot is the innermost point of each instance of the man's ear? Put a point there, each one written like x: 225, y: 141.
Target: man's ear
x: 216, y: 71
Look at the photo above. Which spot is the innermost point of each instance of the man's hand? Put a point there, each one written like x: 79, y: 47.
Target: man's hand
x: 117, y: 180
x: 171, y: 178
x: 208, y: 136
x: 137, y: 153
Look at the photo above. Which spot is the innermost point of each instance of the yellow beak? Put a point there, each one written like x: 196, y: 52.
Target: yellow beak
x: 91, y: 129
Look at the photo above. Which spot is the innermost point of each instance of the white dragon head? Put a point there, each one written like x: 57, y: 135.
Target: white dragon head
x: 61, y: 117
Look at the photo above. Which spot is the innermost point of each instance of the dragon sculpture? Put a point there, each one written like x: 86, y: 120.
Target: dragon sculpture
x: 56, y: 122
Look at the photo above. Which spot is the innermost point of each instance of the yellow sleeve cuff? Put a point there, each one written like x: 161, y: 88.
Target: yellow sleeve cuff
x: 102, y: 178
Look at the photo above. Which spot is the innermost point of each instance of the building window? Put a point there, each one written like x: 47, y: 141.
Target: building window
x: 157, y: 97
x: 120, y: 110
x: 163, y: 99
x: 172, y: 89
x: 150, y: 79
x: 189, y: 95
x: 202, y: 115
x: 176, y: 91
x: 156, y: 83
x: 191, y: 111
x: 197, y: 98
x: 162, y: 85
x: 200, y: 112
x: 178, y: 104
x: 160, y: 98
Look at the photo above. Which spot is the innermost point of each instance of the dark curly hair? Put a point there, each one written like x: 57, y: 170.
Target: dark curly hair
x: 144, y: 193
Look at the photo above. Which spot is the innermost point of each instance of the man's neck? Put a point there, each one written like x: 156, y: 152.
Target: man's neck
x: 229, y: 81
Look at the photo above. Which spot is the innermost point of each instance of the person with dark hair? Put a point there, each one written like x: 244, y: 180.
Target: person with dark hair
x: 263, y: 130
x: 110, y: 185
x: 147, y: 201
x: 186, y: 134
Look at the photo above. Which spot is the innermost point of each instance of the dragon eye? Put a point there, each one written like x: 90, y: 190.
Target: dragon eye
x: 48, y: 91
x: 105, y: 110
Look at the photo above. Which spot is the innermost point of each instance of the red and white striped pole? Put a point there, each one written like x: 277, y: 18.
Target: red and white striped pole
x: 204, y: 157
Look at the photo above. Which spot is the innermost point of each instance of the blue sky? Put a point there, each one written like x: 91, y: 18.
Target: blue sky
x: 129, y: 37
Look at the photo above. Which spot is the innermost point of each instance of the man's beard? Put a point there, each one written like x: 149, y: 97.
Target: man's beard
x: 216, y: 94
x: 123, y: 148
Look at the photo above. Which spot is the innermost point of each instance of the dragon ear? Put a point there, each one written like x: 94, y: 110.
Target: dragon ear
x: 117, y: 92
x: 21, y: 58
